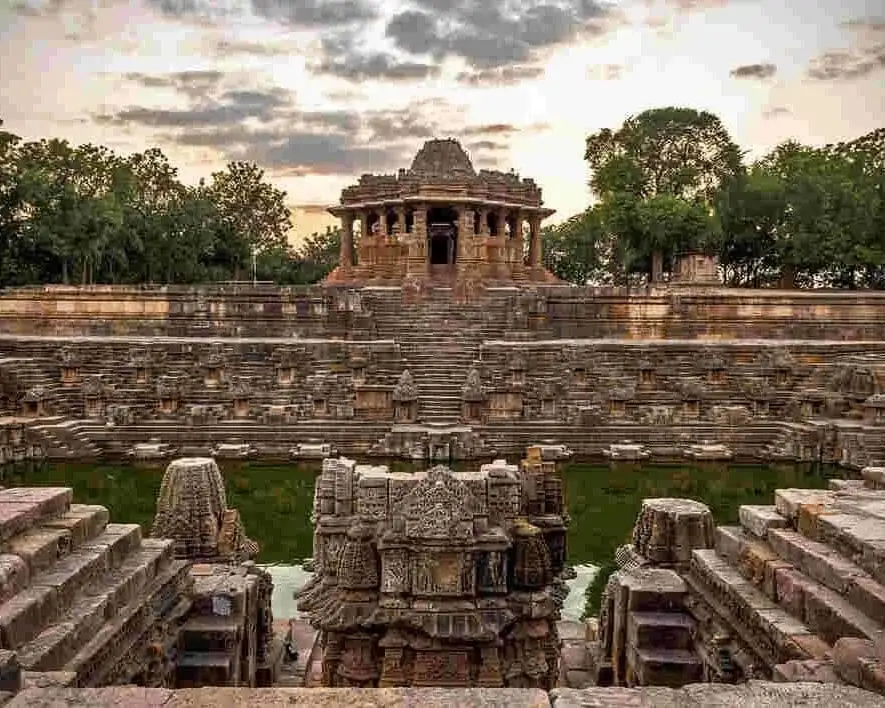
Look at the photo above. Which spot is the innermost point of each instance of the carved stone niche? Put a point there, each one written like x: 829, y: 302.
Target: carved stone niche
x: 93, y: 397
x: 34, y: 402
x: 168, y: 395
x: 319, y: 396
x: 714, y: 366
x: 358, y: 364
x: 646, y: 372
x: 757, y: 392
x: 140, y: 363
x: 241, y: 395
x: 473, y: 397
x: 874, y: 409
x: 70, y: 367
x: 617, y: 401
x: 213, y: 367
x: 517, y: 367
x: 286, y: 362
x: 778, y: 366
x: 692, y: 393
x: 548, y: 396
x: 405, y: 399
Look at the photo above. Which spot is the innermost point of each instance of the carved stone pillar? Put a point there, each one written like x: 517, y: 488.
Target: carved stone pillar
x: 401, y: 220
x: 518, y: 241
x: 535, y: 243
x: 484, y: 222
x: 346, y: 254
x: 382, y: 220
x: 418, y: 260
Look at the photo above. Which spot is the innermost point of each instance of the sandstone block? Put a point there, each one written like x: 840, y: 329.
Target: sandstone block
x: 82, y: 521
x: 758, y: 519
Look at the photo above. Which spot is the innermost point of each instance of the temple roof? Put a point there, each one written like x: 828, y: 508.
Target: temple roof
x: 442, y: 157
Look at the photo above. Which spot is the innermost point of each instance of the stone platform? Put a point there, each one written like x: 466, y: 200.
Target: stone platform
x: 84, y: 602
x: 751, y: 695
x: 796, y: 592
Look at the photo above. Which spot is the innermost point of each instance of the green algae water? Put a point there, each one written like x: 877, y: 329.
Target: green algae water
x: 275, y: 503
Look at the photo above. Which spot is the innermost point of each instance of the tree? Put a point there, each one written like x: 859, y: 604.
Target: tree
x: 576, y: 250
x: 667, y: 154
x: 252, y: 214
x: 10, y: 208
x: 317, y: 256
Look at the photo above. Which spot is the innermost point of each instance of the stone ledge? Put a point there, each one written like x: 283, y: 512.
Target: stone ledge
x: 754, y: 693
x: 213, y: 697
x: 701, y: 695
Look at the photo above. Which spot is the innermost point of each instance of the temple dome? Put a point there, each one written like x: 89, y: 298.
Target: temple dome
x: 442, y: 157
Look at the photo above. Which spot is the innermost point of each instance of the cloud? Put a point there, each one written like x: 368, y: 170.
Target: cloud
x: 490, y: 129
x: 847, y: 65
x: 293, y: 13
x: 605, y: 72
x: 489, y: 35
x: 193, y: 83
x: 231, y: 108
x: 486, y: 145
x: 375, y: 66
x: 776, y: 112
x: 501, y: 75
x: 865, y: 56
x: 754, y: 71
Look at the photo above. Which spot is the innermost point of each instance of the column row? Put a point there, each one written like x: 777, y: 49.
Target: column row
x: 489, y: 221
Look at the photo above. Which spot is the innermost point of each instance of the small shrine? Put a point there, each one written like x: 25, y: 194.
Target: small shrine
x: 441, y: 221
x: 437, y: 578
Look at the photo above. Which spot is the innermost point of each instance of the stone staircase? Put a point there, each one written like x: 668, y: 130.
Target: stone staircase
x: 85, y: 597
x: 793, y: 579
x: 65, y: 439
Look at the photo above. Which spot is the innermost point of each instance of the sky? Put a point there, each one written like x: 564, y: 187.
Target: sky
x: 318, y: 92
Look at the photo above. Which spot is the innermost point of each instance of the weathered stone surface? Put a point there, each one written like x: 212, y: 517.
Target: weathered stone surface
x: 754, y: 693
x: 758, y: 519
x: 129, y: 697
x: 668, y: 530
x: 460, y: 569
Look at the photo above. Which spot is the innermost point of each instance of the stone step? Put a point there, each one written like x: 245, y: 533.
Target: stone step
x: 660, y: 629
x: 159, y: 599
x: 210, y: 633
x: 758, y: 519
x: 44, y: 545
x: 22, y: 508
x: 781, y: 571
x: 52, y: 592
x: 761, y: 624
x: 664, y: 667
x: 97, y: 604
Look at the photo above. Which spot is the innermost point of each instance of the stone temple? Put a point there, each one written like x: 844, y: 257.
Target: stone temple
x: 441, y: 339
x: 441, y: 220
x: 437, y: 578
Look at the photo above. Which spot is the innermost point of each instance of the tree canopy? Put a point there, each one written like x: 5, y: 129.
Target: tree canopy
x: 671, y: 180
x: 83, y: 214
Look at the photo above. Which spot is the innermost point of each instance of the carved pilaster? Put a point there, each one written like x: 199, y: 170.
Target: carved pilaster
x: 535, y: 243
x: 418, y: 261
x: 346, y: 253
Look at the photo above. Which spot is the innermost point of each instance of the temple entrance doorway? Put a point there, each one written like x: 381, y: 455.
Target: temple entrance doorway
x: 442, y: 236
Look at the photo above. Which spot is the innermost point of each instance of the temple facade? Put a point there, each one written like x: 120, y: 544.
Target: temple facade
x: 441, y: 220
x: 438, y: 578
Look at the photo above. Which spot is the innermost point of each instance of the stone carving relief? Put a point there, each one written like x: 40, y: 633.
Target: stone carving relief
x: 439, y: 543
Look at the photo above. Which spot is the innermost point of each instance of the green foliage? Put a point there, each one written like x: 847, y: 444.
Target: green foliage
x: 671, y: 180
x: 83, y: 214
x: 657, y: 178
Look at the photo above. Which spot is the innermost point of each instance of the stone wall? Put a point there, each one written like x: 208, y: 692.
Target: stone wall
x: 755, y: 693
x: 431, y: 373
x: 560, y: 311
